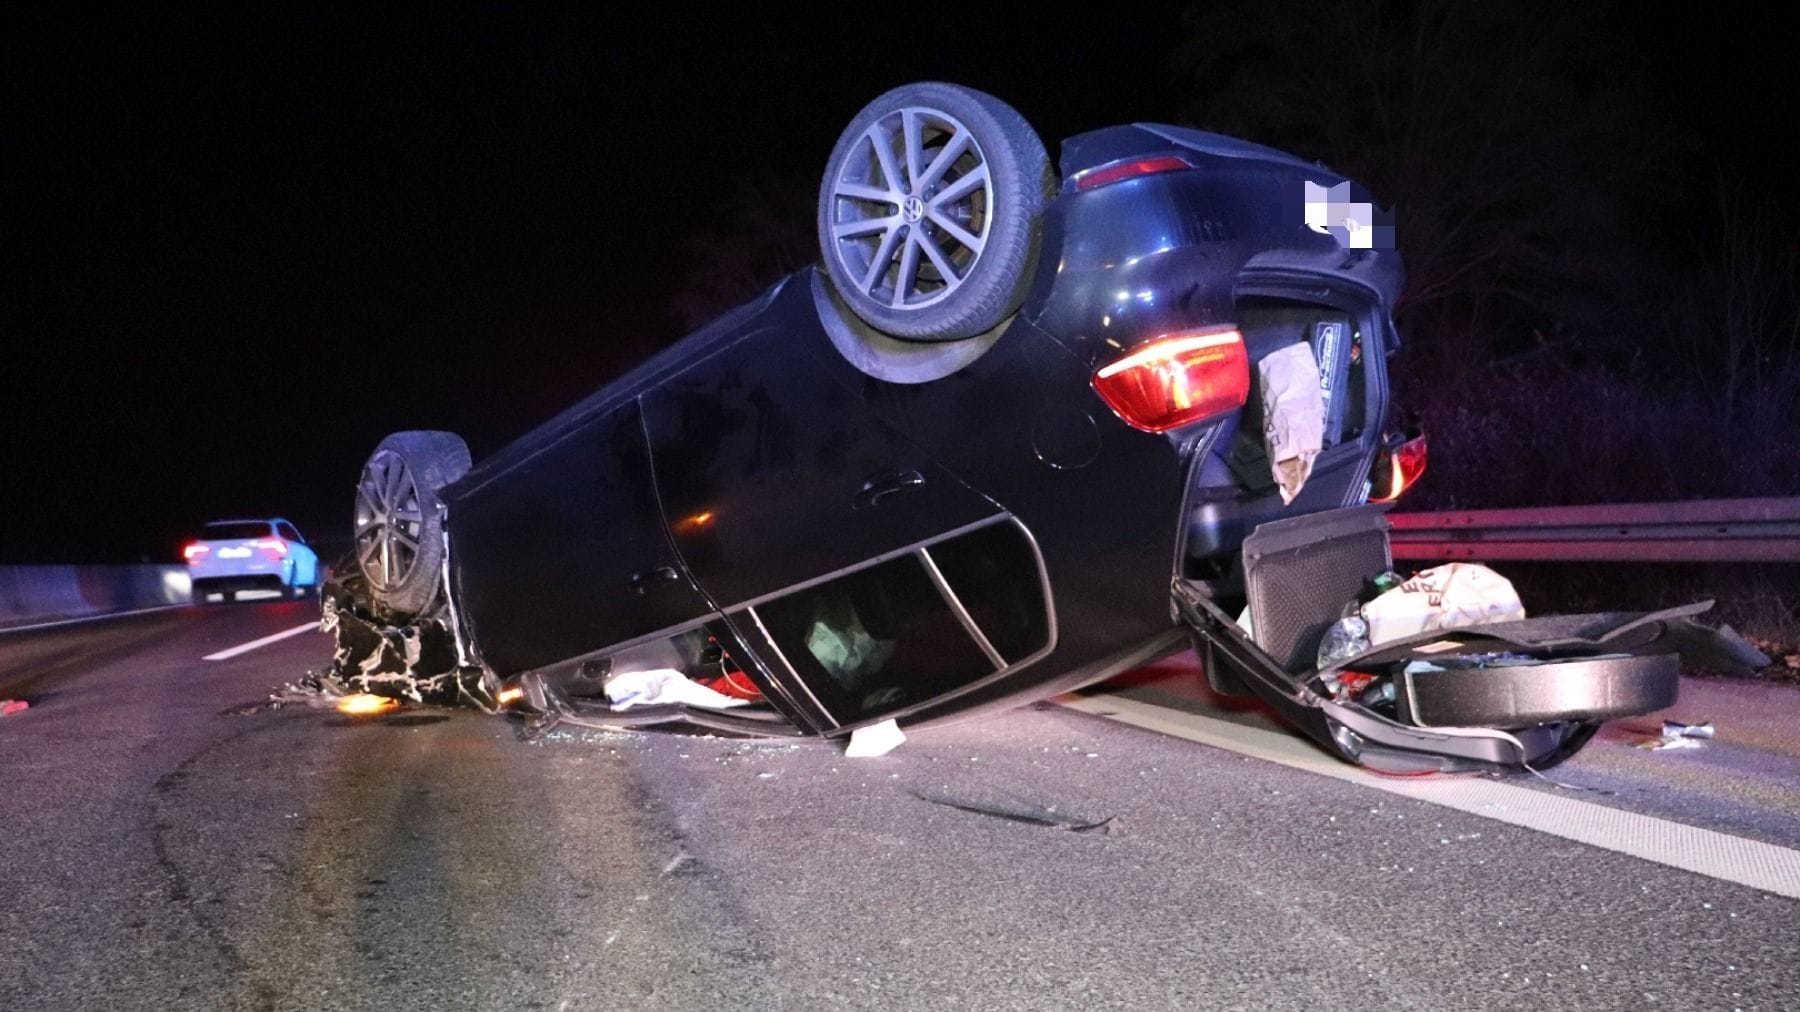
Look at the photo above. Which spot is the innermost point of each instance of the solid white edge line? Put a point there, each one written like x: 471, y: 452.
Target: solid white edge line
x: 88, y: 618
x: 1706, y: 852
x: 244, y: 648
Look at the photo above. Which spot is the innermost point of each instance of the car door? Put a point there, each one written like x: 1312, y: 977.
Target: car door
x: 772, y: 475
x: 563, y: 551
x: 786, y: 496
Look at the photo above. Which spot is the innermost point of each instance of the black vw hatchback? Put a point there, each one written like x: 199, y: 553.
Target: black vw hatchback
x: 1006, y: 438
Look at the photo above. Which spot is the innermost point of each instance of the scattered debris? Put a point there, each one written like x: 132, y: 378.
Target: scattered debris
x: 1702, y: 730
x: 874, y: 740
x: 8, y: 707
x: 1678, y: 735
x: 312, y: 691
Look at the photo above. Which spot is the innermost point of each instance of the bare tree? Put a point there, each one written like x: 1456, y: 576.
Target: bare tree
x: 1511, y: 137
x: 1748, y: 326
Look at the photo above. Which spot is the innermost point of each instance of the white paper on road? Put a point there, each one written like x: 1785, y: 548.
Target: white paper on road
x: 663, y: 686
x: 874, y: 740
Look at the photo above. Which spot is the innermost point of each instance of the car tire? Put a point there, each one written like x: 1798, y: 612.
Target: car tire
x: 399, y: 526
x: 925, y: 248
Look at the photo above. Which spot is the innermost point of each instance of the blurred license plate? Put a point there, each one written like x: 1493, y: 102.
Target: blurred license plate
x: 234, y: 553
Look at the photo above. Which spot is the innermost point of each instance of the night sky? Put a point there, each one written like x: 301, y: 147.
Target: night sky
x: 239, y: 251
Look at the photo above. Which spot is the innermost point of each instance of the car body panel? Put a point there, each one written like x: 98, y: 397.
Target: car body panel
x: 567, y: 552
x: 738, y: 436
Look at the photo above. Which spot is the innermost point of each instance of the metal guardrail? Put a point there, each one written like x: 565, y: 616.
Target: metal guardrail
x: 1711, y: 530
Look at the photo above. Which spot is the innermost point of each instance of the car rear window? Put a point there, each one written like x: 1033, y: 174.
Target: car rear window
x: 234, y: 532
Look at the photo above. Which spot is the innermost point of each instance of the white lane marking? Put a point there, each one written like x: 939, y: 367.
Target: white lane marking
x: 88, y: 618
x: 244, y: 648
x: 1701, y: 851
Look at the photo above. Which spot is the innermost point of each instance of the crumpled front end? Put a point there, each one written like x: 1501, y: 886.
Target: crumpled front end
x: 418, y: 661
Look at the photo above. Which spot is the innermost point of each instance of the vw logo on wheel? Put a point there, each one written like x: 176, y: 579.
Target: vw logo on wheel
x: 912, y: 209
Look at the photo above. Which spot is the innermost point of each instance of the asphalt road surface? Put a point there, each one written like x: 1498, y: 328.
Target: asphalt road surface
x: 171, y: 842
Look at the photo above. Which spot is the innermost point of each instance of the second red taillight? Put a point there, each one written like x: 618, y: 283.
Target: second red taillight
x: 1399, y: 466
x: 1177, y: 380
x: 193, y: 551
x: 274, y: 548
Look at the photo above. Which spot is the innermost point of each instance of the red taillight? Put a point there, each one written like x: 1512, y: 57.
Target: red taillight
x: 275, y: 547
x: 1130, y: 170
x: 193, y: 550
x: 1399, y: 467
x: 1177, y: 380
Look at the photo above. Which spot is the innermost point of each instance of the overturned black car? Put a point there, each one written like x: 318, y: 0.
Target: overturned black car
x: 1019, y: 430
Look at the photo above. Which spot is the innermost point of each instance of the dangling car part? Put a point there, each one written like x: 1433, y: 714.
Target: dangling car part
x: 1004, y: 442
x: 1523, y: 693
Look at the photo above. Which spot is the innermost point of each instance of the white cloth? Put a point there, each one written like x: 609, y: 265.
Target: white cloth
x: 663, y: 686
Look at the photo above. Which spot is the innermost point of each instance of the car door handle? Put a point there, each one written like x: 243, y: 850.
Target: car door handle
x: 883, y: 485
x: 642, y: 582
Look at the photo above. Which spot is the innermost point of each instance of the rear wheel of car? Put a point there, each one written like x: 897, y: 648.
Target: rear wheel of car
x: 399, y: 526
x: 930, y: 212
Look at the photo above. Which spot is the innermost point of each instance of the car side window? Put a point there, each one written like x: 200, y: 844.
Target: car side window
x: 902, y: 632
x: 287, y: 531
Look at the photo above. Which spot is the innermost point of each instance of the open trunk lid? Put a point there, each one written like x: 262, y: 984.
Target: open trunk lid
x: 1523, y: 693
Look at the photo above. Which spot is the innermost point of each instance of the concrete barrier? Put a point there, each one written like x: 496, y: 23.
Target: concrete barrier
x: 46, y: 593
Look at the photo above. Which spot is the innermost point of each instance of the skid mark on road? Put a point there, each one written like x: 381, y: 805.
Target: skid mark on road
x: 1676, y: 845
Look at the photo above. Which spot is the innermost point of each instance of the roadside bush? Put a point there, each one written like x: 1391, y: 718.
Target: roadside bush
x: 1545, y: 431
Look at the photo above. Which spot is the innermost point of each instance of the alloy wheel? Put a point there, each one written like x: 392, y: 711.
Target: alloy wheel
x: 912, y: 208
x: 389, y: 521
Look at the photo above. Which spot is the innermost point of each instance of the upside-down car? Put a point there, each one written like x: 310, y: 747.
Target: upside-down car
x: 1010, y: 435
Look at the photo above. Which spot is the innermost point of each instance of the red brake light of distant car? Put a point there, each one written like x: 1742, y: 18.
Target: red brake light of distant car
x: 276, y: 547
x: 193, y: 550
x: 1399, y: 467
x: 1122, y: 171
x: 1177, y: 380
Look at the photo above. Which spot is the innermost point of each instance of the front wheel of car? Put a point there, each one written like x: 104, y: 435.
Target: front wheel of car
x: 399, y: 529
x: 930, y: 212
